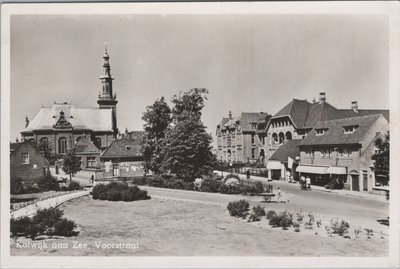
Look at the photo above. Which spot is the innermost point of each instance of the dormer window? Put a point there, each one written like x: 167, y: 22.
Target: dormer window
x: 320, y: 131
x: 349, y: 129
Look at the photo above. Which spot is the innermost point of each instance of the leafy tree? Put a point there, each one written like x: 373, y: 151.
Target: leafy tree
x: 45, y: 149
x: 157, y: 118
x: 187, y: 146
x: 382, y: 158
x: 71, y: 164
x: 189, y: 104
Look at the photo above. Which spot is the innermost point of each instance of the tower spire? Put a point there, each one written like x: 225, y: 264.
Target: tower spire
x: 106, y: 97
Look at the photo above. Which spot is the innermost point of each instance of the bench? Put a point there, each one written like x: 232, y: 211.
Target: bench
x: 266, y: 195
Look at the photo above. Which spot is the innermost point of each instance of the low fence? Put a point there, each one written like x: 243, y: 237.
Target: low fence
x: 258, y: 172
x: 16, y: 206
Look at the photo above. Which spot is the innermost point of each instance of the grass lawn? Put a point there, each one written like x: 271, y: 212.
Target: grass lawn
x: 166, y: 227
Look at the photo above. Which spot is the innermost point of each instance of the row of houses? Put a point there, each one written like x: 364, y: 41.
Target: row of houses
x: 122, y: 158
x: 314, y: 139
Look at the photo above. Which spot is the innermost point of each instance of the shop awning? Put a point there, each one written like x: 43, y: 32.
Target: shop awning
x: 312, y: 169
x: 337, y: 170
x: 274, y: 165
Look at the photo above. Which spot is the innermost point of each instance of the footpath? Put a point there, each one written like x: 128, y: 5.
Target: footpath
x: 51, y: 202
x: 370, y: 196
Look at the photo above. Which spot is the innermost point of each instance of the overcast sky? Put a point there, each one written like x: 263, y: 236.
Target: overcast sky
x: 249, y: 63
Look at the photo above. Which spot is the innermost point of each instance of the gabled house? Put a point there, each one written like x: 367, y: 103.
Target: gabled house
x: 88, y: 153
x: 339, y: 152
x: 26, y: 162
x: 240, y: 139
x: 299, y: 117
x: 285, y: 158
x: 123, y: 158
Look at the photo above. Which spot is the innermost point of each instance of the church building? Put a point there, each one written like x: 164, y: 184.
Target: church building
x: 62, y: 125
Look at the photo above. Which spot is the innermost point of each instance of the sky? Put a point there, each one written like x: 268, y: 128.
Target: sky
x: 249, y: 63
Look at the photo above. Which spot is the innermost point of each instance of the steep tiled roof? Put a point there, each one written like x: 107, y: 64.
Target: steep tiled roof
x: 81, y: 118
x: 124, y: 148
x: 14, y: 146
x: 347, y: 113
x: 335, y: 135
x: 288, y: 149
x: 245, y: 120
x: 306, y: 115
x: 84, y: 145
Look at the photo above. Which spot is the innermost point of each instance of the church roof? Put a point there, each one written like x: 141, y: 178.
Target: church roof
x: 80, y: 118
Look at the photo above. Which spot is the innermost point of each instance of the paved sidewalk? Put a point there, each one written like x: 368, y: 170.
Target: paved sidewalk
x: 371, y: 196
x: 51, y: 202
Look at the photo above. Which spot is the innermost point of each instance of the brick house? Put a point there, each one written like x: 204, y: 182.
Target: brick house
x: 63, y: 124
x: 299, y: 117
x: 123, y: 158
x: 26, y: 162
x: 240, y: 139
x: 88, y: 153
x: 340, y: 151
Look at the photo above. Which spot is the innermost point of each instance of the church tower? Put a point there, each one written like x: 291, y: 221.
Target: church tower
x: 107, y: 99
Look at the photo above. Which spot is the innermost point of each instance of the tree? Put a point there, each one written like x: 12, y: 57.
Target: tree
x: 45, y: 149
x: 157, y: 118
x: 71, y: 164
x: 382, y: 158
x: 187, y: 150
x: 189, y: 104
x: 187, y: 146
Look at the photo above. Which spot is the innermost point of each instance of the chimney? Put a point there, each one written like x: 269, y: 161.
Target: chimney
x: 230, y: 115
x: 354, y: 106
x: 322, y: 97
x: 26, y: 122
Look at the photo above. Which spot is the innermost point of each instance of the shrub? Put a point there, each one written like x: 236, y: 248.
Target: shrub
x: 45, y: 221
x: 73, y: 185
x: 118, y: 191
x: 257, y: 213
x: 271, y: 214
x: 18, y: 226
x: 16, y: 186
x: 232, y: 188
x: 238, y: 209
x: 283, y: 219
x: 141, y: 181
x: 210, y: 185
x: 339, y: 227
x: 155, y: 181
x: 48, y: 183
x: 64, y: 227
x: 47, y: 217
x: 259, y: 187
x: 231, y: 179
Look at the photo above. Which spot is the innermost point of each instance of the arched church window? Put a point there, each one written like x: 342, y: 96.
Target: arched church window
x: 62, y: 145
x: 97, y: 141
x: 281, y: 138
x: 79, y: 138
x: 288, y: 135
x: 275, y: 138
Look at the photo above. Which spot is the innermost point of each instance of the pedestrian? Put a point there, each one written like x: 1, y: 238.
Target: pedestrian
x: 279, y: 194
x: 308, y: 182
x: 288, y: 177
x: 92, y: 179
